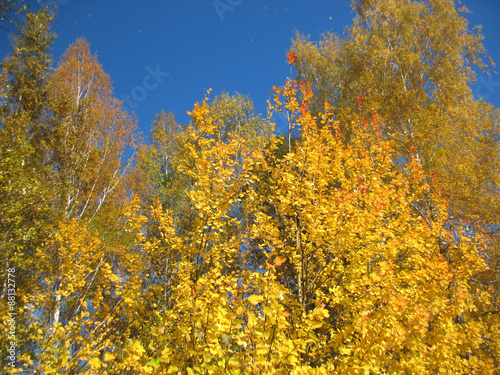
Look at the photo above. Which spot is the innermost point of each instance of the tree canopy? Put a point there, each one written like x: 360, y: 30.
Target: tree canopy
x: 365, y: 241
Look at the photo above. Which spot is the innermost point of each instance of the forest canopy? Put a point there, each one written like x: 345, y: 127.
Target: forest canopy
x: 363, y: 240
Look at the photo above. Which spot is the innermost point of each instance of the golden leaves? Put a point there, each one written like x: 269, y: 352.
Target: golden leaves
x: 255, y: 299
x: 95, y: 363
x: 312, y: 257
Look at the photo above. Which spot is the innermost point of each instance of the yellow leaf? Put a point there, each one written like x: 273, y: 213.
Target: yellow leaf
x: 95, y: 363
x: 136, y: 347
x: 255, y: 299
x: 345, y: 351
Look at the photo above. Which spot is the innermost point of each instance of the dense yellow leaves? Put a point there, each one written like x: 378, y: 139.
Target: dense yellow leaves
x: 246, y: 253
x: 90, y: 293
x: 317, y: 261
x: 393, y: 60
x: 353, y: 279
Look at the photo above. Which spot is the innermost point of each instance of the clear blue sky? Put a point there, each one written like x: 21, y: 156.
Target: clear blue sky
x: 232, y: 45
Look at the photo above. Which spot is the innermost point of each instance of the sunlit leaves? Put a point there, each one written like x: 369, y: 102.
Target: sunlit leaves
x: 354, y: 278
x: 393, y: 60
x: 91, y: 133
x: 235, y: 251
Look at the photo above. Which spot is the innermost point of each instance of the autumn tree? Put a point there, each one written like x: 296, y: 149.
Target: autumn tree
x: 414, y: 63
x: 25, y: 220
x: 229, y: 249
x: 349, y: 224
x: 234, y: 115
x: 82, y: 265
x: 209, y: 323
x: 65, y: 139
x: 157, y: 176
x: 23, y: 130
x: 91, y: 133
x: 354, y: 278
x: 162, y: 168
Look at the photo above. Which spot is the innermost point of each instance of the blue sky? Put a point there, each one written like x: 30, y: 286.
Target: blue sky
x: 165, y: 54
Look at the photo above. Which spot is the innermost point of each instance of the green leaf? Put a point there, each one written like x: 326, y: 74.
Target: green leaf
x: 153, y: 362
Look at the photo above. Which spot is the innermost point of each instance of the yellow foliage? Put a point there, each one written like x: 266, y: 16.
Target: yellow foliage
x: 354, y: 277
x: 317, y: 261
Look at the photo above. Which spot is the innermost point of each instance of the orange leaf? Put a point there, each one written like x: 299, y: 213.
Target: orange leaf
x: 279, y: 260
x: 292, y: 57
